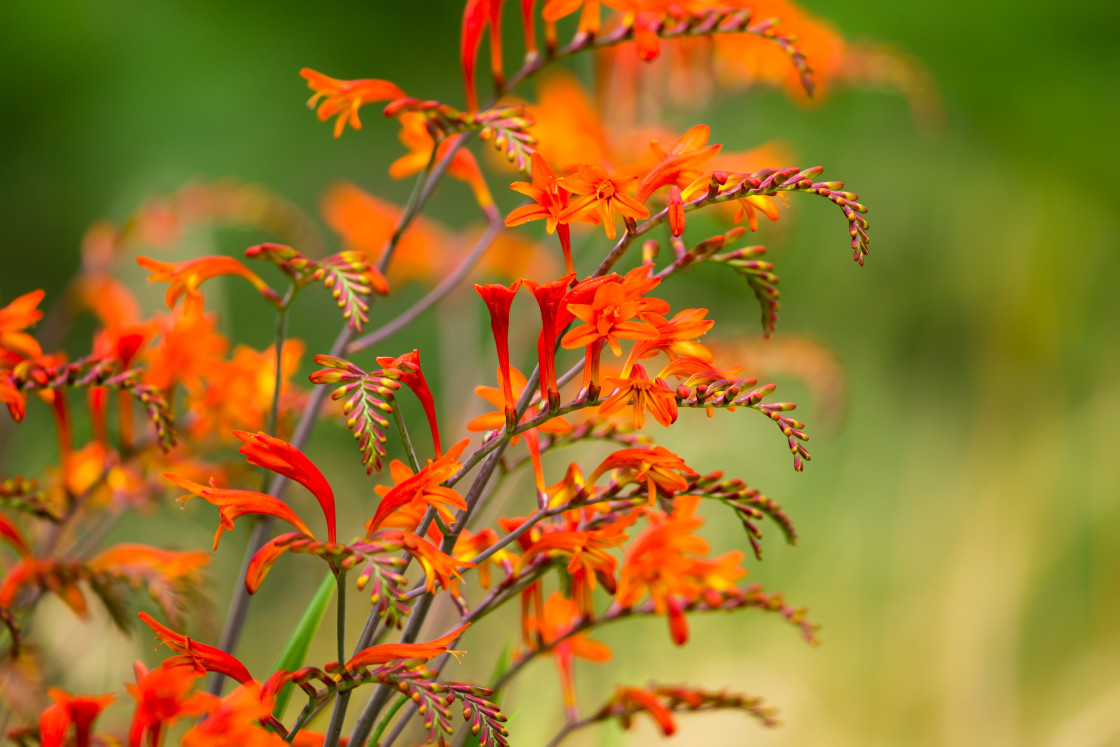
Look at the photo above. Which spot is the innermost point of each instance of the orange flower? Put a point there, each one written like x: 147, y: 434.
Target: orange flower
x: 679, y: 165
x: 412, y: 376
x: 470, y: 544
x: 233, y: 504
x: 186, y: 277
x: 602, y: 196
x: 660, y: 468
x: 161, y: 699
x: 559, y: 616
x: 189, y: 348
x: 199, y: 656
x: 551, y: 202
x: 263, y: 450
x: 437, y: 565
x: 415, y: 136
x: 610, y: 317
x: 14, y: 318
x: 676, y: 337
x: 235, y: 721
x: 496, y: 420
x: 387, y: 652
x: 345, y: 97
x: 643, y: 394
x: 587, y: 554
x: 424, y: 486
x: 645, y: 700
x: 662, y: 562
x: 77, y: 710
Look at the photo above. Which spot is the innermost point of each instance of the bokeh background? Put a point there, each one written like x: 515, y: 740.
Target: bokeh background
x: 960, y: 520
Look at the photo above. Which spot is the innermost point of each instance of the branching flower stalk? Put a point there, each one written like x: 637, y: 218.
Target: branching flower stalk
x: 616, y: 535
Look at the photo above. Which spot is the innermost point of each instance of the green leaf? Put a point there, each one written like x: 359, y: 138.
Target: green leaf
x: 291, y: 658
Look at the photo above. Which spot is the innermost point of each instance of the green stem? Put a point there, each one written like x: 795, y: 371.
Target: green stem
x: 381, y: 727
x: 405, y: 438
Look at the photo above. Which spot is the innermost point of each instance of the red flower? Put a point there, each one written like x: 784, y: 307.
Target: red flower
x: 201, y: 657
x: 413, y: 378
x: 602, y: 196
x: 161, y: 699
x: 186, y: 277
x: 425, y: 485
x: 263, y: 450
x: 550, y: 299
x: 551, y: 201
x: 498, y: 300
x: 643, y: 394
x: 387, y: 652
x: 77, y: 710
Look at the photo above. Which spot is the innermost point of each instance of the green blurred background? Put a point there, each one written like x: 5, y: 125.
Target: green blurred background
x: 960, y: 527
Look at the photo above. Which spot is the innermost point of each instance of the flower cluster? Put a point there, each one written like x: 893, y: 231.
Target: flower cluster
x: 613, y: 534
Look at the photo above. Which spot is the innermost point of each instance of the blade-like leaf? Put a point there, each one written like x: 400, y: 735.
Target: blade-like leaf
x: 295, y: 651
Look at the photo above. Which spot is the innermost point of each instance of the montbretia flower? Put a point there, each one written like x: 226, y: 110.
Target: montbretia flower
x: 664, y: 562
x: 437, y: 565
x: 425, y: 486
x: 345, y: 97
x: 499, y: 299
x: 79, y: 711
x: 263, y: 450
x: 644, y: 394
x: 200, y: 657
x: 233, y: 504
x: 659, y: 468
x: 602, y: 196
x: 163, y: 696
x: 420, y: 143
x: 186, y: 277
x: 16, y: 317
x: 676, y: 337
x: 412, y: 376
x: 556, y: 620
x: 616, y: 312
x: 386, y: 652
x: 236, y: 720
x: 550, y: 298
x: 677, y: 169
x: 551, y: 202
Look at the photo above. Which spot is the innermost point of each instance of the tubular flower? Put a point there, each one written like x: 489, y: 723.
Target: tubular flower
x: 345, y: 97
x: 554, y: 10
x: 233, y: 504
x: 425, y: 486
x: 235, y: 721
x: 660, y: 468
x: 477, y: 15
x: 676, y: 337
x: 186, y: 277
x: 556, y: 619
x: 496, y: 420
x: 80, y: 711
x: 610, y: 316
x: 499, y: 299
x: 413, y: 377
x: 162, y: 697
x: 550, y: 298
x: 189, y: 349
x: 643, y: 394
x: 470, y: 544
x: 16, y: 317
x: 387, y: 652
x: 551, y: 200
x: 415, y: 136
x: 199, y: 656
x: 678, y: 167
x: 586, y: 552
x: 662, y: 561
x: 602, y: 196
x: 437, y: 565
x: 648, y: 702
x: 263, y: 450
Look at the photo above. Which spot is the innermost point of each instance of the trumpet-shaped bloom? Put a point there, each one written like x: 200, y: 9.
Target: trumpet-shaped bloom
x: 184, y: 278
x: 263, y: 450
x: 550, y: 298
x: 425, y: 486
x: 658, y: 467
x: 495, y: 420
x: 664, y: 562
x: 79, y: 711
x: 199, y: 656
x: 387, y: 652
x: 163, y: 697
x: 643, y: 394
x: 233, y: 504
x: 602, y: 196
x: 235, y: 721
x: 412, y: 376
x: 551, y: 202
x: 499, y: 299
x: 345, y: 97
x: 676, y: 337
x: 437, y: 565
x: 16, y: 317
